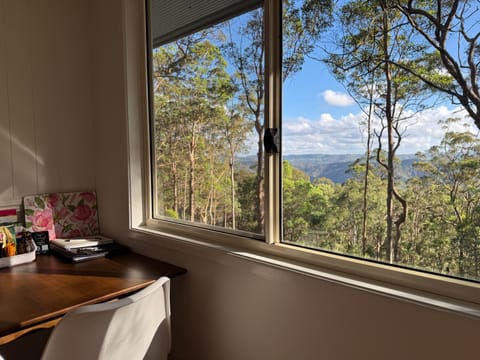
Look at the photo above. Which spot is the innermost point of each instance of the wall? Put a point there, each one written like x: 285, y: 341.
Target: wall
x: 226, y: 307
x: 231, y: 308
x: 46, y: 127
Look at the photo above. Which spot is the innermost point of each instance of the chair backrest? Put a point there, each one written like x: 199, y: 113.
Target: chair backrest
x: 121, y: 329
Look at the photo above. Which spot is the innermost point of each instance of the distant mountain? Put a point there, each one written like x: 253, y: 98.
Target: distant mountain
x: 332, y: 166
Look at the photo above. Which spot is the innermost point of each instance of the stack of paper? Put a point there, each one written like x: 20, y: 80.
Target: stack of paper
x: 82, y: 242
x: 82, y: 249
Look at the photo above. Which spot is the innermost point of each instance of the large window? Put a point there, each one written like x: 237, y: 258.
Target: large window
x: 208, y: 96
x: 378, y: 110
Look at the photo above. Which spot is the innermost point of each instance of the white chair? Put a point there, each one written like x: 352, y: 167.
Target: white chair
x: 122, y: 329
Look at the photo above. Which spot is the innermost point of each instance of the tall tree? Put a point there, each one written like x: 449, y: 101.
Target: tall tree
x: 369, y: 39
x: 454, y: 166
x: 302, y: 24
x: 235, y: 129
x: 190, y: 77
x: 451, y: 30
x: 247, y: 57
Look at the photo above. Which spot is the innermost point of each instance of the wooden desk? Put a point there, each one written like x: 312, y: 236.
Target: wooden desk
x: 34, y: 293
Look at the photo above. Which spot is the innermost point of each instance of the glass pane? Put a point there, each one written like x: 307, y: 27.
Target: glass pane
x: 381, y: 153
x: 207, y: 121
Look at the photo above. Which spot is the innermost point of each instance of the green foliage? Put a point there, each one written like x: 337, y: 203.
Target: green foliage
x: 302, y: 26
x: 192, y: 116
x: 171, y: 214
x: 442, y: 230
x: 450, y: 33
x: 306, y: 206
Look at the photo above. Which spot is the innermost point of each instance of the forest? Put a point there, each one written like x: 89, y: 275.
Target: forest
x: 395, y: 58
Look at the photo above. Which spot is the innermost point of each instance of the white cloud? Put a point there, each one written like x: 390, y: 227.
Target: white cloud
x: 300, y: 126
x: 337, y: 98
x: 326, y: 135
x: 347, y: 135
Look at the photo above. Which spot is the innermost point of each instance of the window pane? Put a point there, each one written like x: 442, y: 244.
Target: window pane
x: 381, y: 153
x: 208, y: 96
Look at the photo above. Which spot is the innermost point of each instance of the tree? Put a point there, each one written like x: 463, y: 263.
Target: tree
x: 306, y: 205
x: 372, y: 211
x: 248, y: 60
x: 192, y: 88
x: 297, y: 206
x: 362, y: 89
x: 451, y: 28
x: 370, y: 40
x: 454, y: 166
x: 302, y: 23
x: 235, y: 129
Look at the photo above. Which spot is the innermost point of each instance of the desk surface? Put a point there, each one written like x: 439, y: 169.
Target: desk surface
x: 49, y: 287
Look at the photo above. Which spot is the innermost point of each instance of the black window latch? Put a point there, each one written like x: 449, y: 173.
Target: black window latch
x: 271, y: 141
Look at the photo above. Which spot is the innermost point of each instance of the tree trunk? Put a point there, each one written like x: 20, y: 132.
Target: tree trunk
x: 191, y: 176
x: 175, y: 186
x: 232, y: 191
x: 260, y: 206
x: 398, y: 224
x: 390, y: 146
x: 367, y: 171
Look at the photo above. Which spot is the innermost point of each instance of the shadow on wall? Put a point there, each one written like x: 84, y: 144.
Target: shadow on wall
x: 12, y: 172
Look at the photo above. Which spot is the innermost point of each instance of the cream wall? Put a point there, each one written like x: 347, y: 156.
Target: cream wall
x: 46, y: 124
x: 226, y: 307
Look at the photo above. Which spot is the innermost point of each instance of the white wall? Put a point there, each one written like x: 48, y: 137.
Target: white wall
x: 225, y: 308
x: 231, y: 308
x: 46, y: 125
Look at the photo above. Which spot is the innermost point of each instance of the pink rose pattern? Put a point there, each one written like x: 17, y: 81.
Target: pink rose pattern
x: 82, y: 212
x: 63, y: 215
x: 43, y: 221
x: 52, y: 200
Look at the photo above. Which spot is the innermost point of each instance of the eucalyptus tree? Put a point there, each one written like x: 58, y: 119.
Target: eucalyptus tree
x: 454, y: 166
x: 450, y: 29
x: 192, y: 88
x: 235, y: 129
x: 370, y: 38
x: 303, y: 21
x: 170, y: 145
x: 297, y: 207
x: 307, y: 205
x: 367, y: 216
x: 364, y: 95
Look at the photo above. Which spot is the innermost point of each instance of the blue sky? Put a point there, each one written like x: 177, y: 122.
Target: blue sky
x: 314, y: 91
x: 320, y: 117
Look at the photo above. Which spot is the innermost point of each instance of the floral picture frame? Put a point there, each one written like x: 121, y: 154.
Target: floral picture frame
x: 63, y: 215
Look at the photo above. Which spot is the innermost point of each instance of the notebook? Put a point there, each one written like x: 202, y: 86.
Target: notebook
x: 80, y: 254
x: 76, y: 243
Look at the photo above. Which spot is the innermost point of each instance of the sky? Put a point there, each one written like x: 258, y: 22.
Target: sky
x: 319, y: 117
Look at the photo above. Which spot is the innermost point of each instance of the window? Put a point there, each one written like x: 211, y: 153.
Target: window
x: 378, y: 110
x: 381, y: 154
x: 208, y: 96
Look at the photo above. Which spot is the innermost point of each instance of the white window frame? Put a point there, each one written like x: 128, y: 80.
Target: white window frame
x: 437, y: 291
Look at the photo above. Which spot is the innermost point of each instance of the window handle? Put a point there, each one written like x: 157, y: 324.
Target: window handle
x: 271, y: 140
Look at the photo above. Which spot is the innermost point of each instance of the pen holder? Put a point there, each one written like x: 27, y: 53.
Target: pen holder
x: 24, y: 258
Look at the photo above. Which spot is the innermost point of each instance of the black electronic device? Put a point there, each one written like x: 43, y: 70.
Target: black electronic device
x: 41, y: 240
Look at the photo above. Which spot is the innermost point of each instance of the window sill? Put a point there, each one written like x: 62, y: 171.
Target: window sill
x: 433, y: 291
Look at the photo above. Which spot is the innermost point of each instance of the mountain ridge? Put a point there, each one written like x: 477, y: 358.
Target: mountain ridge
x: 332, y: 166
